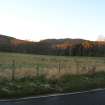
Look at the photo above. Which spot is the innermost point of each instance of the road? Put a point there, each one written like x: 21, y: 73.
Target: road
x: 93, y: 97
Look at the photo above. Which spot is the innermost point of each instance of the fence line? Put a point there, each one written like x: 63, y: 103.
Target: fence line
x: 57, y: 69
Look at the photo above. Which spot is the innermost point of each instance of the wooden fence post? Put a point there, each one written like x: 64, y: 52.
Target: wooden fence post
x: 59, y: 67
x: 77, y: 66
x: 37, y: 70
x: 13, y: 70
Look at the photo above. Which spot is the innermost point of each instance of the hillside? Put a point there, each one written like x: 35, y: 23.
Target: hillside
x: 72, y: 47
x: 60, y: 41
x: 11, y: 40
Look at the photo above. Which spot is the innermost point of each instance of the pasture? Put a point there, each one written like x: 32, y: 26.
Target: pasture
x: 51, y: 66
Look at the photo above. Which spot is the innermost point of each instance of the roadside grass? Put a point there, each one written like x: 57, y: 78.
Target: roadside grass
x: 42, y: 86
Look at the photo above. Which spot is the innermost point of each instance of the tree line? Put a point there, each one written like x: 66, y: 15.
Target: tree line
x: 60, y: 48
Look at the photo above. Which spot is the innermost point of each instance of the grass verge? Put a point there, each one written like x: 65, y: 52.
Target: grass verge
x: 40, y: 85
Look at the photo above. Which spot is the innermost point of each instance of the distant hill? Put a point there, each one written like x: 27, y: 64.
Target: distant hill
x: 69, y: 47
x: 10, y: 43
x: 61, y: 41
x: 10, y: 40
x: 6, y: 40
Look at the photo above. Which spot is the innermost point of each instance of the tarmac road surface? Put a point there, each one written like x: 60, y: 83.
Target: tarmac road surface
x: 93, y: 97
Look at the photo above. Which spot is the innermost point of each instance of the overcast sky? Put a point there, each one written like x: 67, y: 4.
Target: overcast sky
x: 41, y: 19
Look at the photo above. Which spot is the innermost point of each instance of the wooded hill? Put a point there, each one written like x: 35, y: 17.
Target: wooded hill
x: 65, y: 47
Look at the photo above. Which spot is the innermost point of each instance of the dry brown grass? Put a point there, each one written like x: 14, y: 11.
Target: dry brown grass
x: 27, y: 65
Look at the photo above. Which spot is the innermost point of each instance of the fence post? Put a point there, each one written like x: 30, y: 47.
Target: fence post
x: 77, y: 66
x: 59, y: 67
x: 37, y: 70
x: 13, y: 70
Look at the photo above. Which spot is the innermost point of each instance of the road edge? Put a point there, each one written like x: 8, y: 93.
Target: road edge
x: 51, y: 95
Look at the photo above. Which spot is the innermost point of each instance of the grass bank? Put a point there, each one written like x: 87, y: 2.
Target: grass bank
x: 40, y: 85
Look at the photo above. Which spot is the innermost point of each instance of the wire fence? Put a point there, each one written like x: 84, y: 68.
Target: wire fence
x: 14, y: 70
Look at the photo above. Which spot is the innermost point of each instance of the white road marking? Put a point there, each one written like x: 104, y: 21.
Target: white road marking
x: 52, y: 95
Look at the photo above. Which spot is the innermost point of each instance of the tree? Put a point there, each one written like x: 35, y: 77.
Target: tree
x: 87, y: 47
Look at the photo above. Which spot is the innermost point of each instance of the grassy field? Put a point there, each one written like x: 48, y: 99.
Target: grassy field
x: 40, y: 74
x: 51, y: 66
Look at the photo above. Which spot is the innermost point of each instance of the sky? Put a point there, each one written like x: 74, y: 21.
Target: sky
x: 44, y: 19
